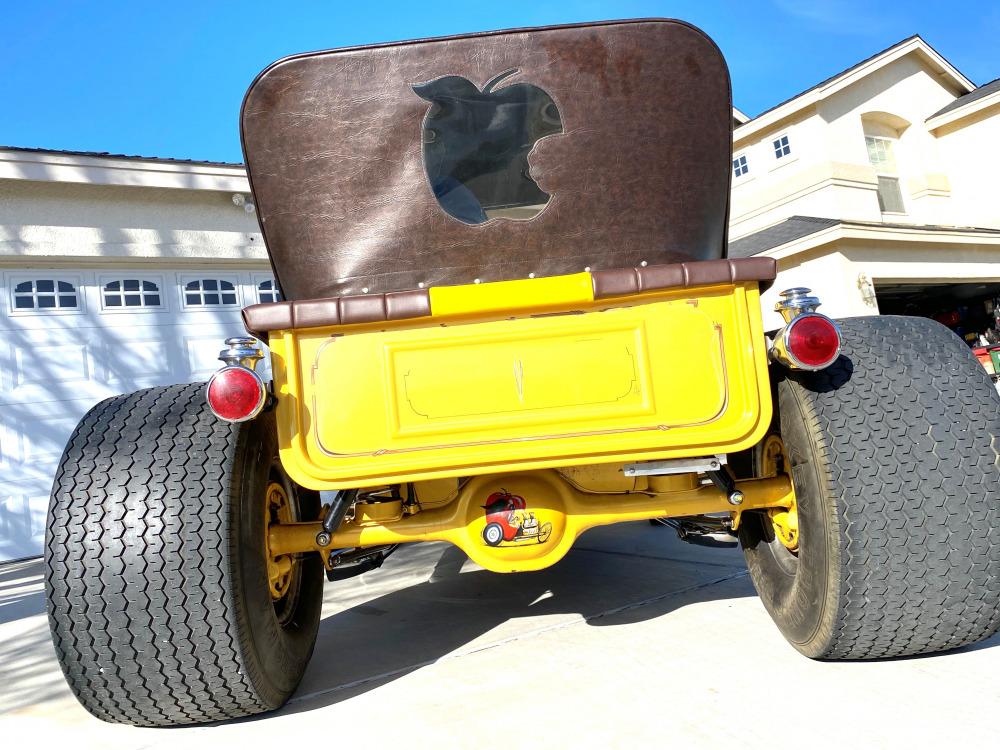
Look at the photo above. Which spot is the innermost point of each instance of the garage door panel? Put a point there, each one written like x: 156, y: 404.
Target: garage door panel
x: 33, y: 434
x: 202, y: 354
x: 137, y: 355
x: 47, y: 365
x: 22, y: 524
x: 32, y: 438
x: 51, y: 364
x: 54, y: 365
x: 42, y: 440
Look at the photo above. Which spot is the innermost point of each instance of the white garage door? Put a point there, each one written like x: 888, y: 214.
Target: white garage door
x: 69, y: 338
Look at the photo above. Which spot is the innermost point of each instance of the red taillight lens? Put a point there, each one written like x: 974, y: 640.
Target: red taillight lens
x: 813, y: 340
x: 235, y: 394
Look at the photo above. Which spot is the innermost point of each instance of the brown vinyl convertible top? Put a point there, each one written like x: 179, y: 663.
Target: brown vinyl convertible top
x: 510, y: 154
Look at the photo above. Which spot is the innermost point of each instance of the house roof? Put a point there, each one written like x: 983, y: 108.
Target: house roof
x: 109, y: 155
x: 835, y: 76
x: 797, y: 227
x: 985, y: 90
x: 914, y: 43
x: 100, y: 168
x: 790, y: 229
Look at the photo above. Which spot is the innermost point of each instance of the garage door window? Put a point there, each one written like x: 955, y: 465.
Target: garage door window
x: 131, y: 293
x: 209, y: 293
x: 267, y: 291
x: 45, y: 294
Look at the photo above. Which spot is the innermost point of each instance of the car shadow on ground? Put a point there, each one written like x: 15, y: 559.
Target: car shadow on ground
x: 21, y: 593
x: 459, y: 609
x: 429, y: 604
x: 29, y: 674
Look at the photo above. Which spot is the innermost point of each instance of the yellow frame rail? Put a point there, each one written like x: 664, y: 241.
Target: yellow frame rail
x: 551, y: 502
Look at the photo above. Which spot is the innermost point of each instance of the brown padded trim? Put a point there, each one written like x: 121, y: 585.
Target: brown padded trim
x: 622, y: 281
x: 373, y: 308
x: 334, y: 311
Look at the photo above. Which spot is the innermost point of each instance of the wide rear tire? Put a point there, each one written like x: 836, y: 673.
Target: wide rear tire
x: 893, y: 454
x: 156, y: 579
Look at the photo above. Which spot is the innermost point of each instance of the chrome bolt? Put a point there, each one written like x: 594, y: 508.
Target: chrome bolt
x: 323, y: 539
x: 796, y: 301
x: 243, y: 350
x: 736, y: 497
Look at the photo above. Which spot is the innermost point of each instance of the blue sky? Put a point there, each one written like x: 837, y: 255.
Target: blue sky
x: 166, y: 78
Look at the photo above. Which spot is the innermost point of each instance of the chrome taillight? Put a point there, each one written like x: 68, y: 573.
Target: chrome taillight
x: 809, y: 340
x: 236, y: 393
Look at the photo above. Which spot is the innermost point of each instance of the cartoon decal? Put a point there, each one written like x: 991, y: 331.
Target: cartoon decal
x: 509, y: 522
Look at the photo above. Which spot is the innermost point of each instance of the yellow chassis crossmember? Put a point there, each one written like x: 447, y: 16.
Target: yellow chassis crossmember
x: 529, y: 520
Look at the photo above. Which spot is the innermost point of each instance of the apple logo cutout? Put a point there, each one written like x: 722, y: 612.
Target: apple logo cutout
x: 476, y: 145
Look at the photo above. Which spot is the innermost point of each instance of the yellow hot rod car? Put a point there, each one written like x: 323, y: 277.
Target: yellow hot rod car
x: 509, y: 317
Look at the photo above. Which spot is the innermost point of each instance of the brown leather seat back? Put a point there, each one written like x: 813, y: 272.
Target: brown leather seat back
x: 491, y: 156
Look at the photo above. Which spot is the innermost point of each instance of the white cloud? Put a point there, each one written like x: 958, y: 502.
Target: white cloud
x: 836, y: 16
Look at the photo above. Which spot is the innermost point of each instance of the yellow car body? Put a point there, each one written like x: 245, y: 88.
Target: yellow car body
x: 531, y: 387
x: 520, y: 375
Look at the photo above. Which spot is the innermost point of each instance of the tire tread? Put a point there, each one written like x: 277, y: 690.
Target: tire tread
x: 909, y: 424
x: 139, y: 565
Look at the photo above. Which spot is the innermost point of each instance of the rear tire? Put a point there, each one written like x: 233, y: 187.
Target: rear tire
x: 893, y: 454
x: 157, y: 586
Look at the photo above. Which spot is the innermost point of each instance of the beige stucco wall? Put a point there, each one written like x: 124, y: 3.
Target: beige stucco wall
x: 831, y: 275
x: 72, y: 221
x: 969, y: 148
x: 943, y: 178
x: 833, y: 271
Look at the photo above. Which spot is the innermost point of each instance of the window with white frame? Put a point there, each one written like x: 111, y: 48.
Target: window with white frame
x: 209, y: 293
x: 122, y: 293
x: 45, y: 294
x: 267, y: 291
x: 740, y: 166
x: 882, y: 157
x: 781, y: 147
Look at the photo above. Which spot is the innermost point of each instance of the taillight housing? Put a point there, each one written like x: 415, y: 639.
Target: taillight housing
x: 236, y: 393
x: 809, y: 342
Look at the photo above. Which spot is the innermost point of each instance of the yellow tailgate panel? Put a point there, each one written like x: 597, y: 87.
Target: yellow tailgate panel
x: 664, y: 375
x: 514, y: 379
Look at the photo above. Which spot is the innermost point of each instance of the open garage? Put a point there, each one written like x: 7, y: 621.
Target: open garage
x: 970, y: 309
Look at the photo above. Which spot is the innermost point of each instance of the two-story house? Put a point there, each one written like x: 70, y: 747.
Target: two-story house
x: 876, y: 189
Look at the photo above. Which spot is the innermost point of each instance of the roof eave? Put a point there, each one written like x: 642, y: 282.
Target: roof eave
x: 960, y: 113
x: 44, y: 166
x: 850, y: 76
x: 853, y: 231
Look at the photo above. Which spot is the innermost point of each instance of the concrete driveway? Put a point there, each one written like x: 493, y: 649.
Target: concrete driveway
x: 634, y: 640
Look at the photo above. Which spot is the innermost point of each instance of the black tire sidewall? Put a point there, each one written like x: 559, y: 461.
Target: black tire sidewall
x: 275, y: 655
x: 798, y: 591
